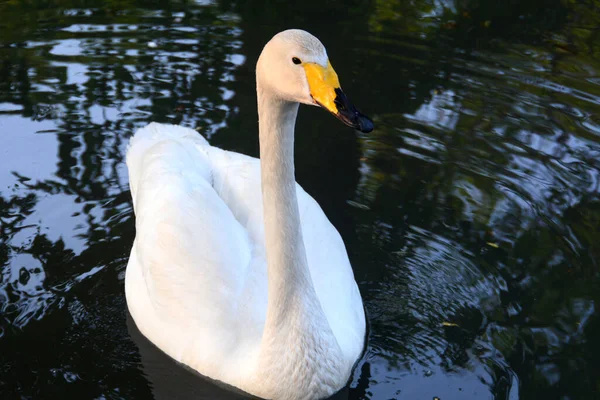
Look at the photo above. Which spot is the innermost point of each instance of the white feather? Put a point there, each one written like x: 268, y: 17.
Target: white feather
x: 197, y: 281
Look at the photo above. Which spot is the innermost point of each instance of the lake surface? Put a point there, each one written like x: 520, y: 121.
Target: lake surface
x: 471, y: 214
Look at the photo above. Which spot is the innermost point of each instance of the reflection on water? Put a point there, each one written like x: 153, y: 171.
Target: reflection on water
x: 471, y: 213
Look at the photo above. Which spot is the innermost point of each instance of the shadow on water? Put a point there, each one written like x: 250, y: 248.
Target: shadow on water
x: 470, y: 214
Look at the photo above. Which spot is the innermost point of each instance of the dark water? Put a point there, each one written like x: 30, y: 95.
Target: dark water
x: 471, y: 214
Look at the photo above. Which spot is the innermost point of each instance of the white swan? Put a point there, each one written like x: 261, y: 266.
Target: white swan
x: 252, y: 288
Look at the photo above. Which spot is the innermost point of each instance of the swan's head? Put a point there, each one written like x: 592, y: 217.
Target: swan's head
x: 294, y: 67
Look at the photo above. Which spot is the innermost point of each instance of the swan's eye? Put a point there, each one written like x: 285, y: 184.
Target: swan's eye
x: 296, y: 60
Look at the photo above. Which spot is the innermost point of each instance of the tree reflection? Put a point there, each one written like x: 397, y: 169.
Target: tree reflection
x: 90, y: 82
x: 497, y: 162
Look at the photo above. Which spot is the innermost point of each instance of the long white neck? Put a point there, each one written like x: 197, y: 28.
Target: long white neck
x: 297, y: 339
x: 289, y: 277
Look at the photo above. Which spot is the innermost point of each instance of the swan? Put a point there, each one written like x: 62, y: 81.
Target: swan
x: 235, y: 271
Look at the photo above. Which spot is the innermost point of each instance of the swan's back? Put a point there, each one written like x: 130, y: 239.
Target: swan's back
x: 196, y: 281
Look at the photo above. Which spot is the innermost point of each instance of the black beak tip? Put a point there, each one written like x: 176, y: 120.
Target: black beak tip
x: 364, y: 123
x: 348, y: 114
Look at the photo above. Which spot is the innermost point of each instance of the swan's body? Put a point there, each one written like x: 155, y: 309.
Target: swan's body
x: 249, y: 287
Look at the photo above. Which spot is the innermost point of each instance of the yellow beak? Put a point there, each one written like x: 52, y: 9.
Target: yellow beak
x: 322, y: 83
x: 326, y: 91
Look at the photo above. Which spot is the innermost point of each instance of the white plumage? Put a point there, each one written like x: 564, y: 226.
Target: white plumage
x: 197, y: 282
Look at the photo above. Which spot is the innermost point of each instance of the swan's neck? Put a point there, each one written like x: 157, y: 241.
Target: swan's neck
x: 297, y: 340
x: 290, y: 283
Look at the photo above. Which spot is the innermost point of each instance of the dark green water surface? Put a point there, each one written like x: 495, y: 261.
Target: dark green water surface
x: 471, y: 214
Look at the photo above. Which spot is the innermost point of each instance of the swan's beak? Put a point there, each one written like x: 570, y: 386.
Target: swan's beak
x: 326, y: 91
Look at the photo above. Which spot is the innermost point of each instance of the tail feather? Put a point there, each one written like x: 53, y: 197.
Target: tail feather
x: 149, y: 136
